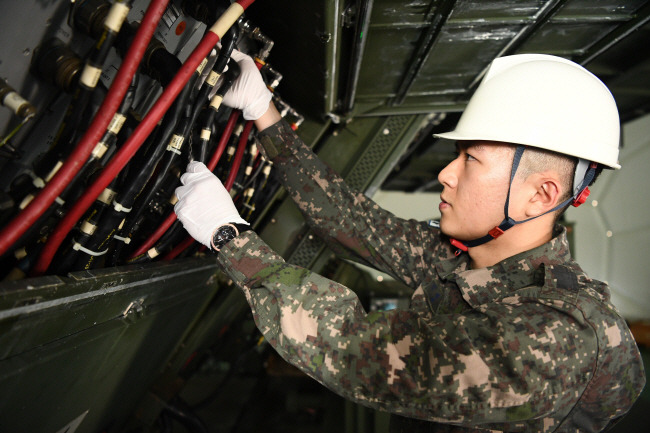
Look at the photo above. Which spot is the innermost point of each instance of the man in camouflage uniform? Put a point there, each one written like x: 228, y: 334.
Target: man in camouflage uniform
x: 512, y: 336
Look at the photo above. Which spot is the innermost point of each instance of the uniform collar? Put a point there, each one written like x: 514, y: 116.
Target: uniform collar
x: 480, y: 286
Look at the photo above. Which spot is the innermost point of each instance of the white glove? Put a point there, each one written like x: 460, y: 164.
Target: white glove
x: 249, y: 92
x: 203, y: 203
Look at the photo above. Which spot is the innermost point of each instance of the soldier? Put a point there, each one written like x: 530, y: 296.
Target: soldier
x: 504, y: 330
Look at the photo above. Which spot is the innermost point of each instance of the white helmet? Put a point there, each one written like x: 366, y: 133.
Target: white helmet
x: 543, y: 101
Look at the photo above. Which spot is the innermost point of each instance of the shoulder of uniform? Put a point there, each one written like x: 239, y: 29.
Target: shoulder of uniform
x: 570, y: 282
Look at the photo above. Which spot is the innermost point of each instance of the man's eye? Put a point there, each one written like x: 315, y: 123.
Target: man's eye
x: 469, y: 157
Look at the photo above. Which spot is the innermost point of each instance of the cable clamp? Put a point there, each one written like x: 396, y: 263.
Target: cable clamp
x: 119, y: 208
x: 78, y: 247
x: 120, y: 238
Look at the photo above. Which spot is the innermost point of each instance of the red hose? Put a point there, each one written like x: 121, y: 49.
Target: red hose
x: 178, y: 249
x: 28, y: 216
x: 137, y: 138
x: 221, y: 146
x: 167, y: 223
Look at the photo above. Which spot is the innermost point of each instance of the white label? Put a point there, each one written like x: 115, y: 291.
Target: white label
x: 116, y: 17
x: 14, y: 101
x: 88, y: 228
x: 226, y: 20
x: 175, y: 144
x: 106, y: 196
x: 116, y: 123
x: 212, y: 79
x: 216, y: 102
x: 99, y: 150
x: 90, y: 76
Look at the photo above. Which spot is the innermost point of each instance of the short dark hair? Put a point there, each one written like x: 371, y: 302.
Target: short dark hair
x: 536, y: 160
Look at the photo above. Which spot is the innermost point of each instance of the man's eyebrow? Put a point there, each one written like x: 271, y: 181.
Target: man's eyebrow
x: 465, y: 145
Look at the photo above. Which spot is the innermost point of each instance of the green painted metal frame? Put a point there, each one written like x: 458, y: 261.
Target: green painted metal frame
x: 80, y: 352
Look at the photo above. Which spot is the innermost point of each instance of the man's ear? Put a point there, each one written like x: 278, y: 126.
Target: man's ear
x: 546, y: 191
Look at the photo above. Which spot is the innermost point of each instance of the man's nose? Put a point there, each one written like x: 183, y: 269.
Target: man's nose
x: 448, y: 176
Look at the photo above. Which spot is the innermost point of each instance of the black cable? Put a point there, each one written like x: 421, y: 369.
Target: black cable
x: 206, y: 131
x: 77, y: 115
x: 74, y: 189
x: 181, y: 136
x: 135, y: 181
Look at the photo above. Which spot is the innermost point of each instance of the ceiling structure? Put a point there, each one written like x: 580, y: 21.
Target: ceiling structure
x: 386, y: 57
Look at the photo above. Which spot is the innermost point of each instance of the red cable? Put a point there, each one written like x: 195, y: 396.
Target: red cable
x: 134, y: 141
x: 28, y: 216
x: 221, y: 146
x: 179, y: 249
x: 167, y: 223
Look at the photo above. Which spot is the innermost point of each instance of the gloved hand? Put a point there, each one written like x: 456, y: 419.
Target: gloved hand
x: 249, y: 92
x: 203, y: 203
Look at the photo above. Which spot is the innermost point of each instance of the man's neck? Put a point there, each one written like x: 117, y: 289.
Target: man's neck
x: 514, y: 241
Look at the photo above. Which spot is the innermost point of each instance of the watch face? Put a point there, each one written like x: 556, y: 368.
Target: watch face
x: 223, y: 234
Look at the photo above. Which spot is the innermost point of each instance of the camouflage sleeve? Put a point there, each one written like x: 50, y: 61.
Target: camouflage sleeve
x: 352, y: 224
x: 482, y: 367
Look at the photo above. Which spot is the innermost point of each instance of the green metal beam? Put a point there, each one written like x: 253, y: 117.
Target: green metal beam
x: 428, y: 41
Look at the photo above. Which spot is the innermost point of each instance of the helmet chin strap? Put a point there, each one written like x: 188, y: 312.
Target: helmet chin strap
x: 584, y: 170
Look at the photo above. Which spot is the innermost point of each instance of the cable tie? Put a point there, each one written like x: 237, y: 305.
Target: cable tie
x: 175, y: 144
x: 120, y: 238
x: 60, y: 201
x: 39, y: 182
x: 119, y: 208
x: 78, y: 247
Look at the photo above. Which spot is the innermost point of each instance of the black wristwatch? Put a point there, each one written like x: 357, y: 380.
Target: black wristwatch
x: 225, y: 233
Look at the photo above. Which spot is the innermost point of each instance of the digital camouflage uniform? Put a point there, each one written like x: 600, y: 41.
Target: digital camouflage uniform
x: 529, y: 344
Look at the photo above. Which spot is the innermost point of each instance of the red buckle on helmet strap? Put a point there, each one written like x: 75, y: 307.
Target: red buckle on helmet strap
x: 582, y: 197
x: 495, y: 232
x: 458, y: 244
